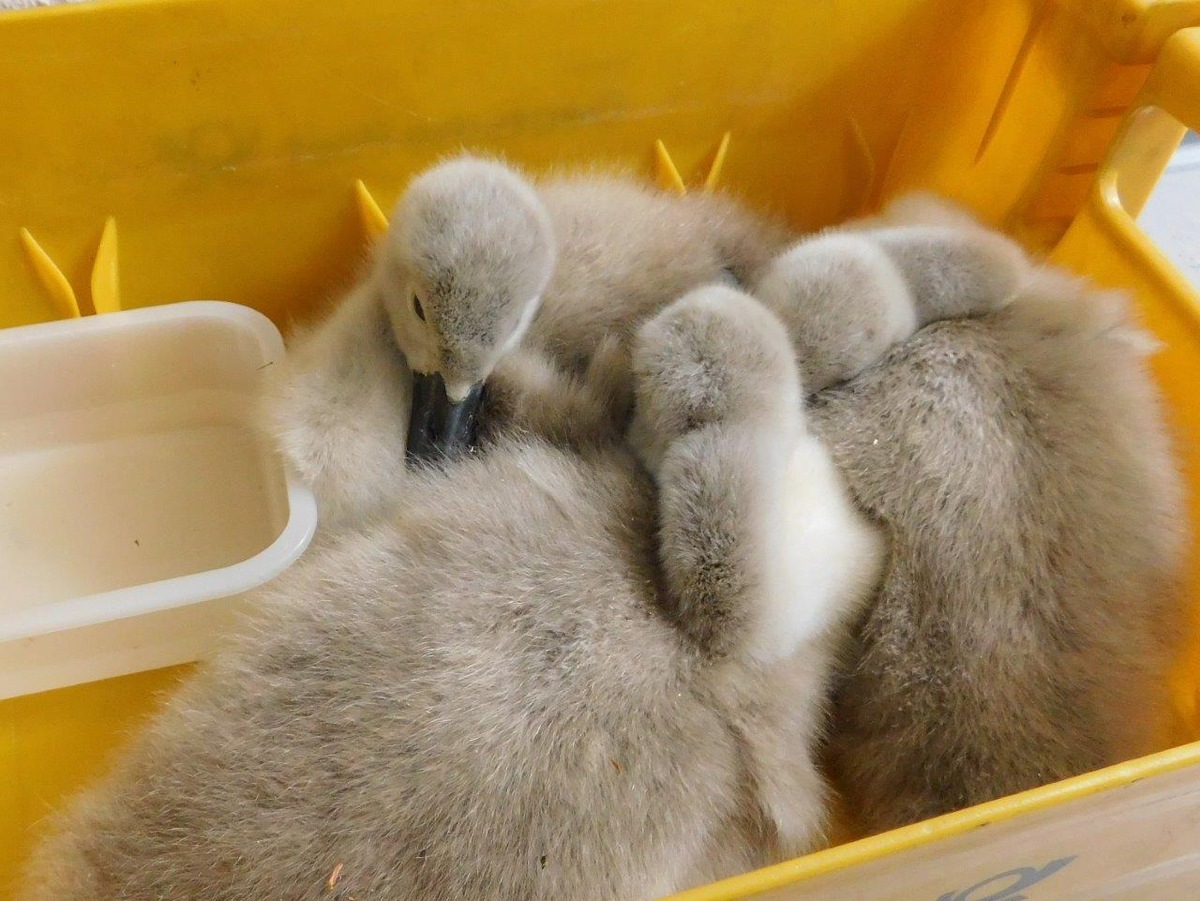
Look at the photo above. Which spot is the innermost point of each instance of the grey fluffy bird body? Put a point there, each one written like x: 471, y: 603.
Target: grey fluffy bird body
x: 532, y: 676
x: 1032, y: 608
x: 626, y: 250
x: 1016, y: 463
x: 518, y: 721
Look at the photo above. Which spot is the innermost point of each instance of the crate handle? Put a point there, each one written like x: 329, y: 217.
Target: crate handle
x: 1165, y: 108
x: 1174, y: 82
x: 1168, y: 103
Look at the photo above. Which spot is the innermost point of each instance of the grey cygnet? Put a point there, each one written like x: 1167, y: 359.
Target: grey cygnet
x: 1032, y: 607
x: 510, y: 683
x: 477, y: 260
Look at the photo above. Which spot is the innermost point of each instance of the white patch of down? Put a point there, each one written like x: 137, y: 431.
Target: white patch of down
x: 522, y: 325
x: 822, y: 555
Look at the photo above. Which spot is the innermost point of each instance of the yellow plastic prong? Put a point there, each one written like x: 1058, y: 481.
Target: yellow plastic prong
x: 861, y: 168
x: 667, y: 176
x: 106, y: 286
x: 715, y: 163
x: 374, y: 223
x: 53, y: 282
x: 665, y: 173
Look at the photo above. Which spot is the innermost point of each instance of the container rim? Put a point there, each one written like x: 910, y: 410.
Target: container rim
x: 179, y: 591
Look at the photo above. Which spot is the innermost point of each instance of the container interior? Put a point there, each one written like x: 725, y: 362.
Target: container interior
x: 128, y: 457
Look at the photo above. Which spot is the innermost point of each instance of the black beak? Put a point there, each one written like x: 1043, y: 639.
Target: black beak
x: 439, y: 428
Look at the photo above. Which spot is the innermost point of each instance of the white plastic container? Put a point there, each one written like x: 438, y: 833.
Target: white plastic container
x: 136, y: 501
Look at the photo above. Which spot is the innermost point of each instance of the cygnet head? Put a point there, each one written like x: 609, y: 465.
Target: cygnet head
x: 461, y: 273
x: 714, y: 357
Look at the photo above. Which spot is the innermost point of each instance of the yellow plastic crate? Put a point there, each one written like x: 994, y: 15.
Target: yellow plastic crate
x: 165, y: 150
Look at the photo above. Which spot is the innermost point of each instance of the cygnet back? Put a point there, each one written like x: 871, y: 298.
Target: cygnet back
x: 482, y: 728
x: 625, y: 250
x: 1032, y: 608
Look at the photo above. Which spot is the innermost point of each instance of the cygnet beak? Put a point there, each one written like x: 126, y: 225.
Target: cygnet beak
x: 438, y: 427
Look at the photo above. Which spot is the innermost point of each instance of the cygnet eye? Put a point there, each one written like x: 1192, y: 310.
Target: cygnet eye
x: 418, y: 309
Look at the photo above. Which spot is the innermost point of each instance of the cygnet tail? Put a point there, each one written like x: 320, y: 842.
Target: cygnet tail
x: 1054, y: 302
